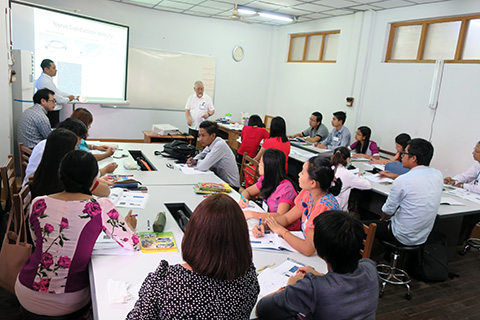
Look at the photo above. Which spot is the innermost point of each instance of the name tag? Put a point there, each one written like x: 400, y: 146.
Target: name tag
x: 336, y: 139
x: 265, y: 206
x: 203, y: 106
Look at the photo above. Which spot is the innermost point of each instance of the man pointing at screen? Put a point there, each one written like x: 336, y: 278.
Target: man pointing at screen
x: 45, y: 81
x: 198, y: 108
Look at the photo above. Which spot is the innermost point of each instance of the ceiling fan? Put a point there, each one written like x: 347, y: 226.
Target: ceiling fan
x: 235, y: 16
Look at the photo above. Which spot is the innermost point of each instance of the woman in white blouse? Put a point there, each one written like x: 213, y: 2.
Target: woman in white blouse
x: 350, y: 180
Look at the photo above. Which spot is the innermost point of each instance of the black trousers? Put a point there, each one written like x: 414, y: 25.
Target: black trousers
x: 384, y: 231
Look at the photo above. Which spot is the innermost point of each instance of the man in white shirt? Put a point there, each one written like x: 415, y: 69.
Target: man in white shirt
x: 414, y: 199
x: 468, y: 181
x: 198, y: 108
x: 46, y: 81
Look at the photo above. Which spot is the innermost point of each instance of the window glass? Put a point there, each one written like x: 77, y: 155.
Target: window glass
x: 471, y: 50
x: 405, y: 42
x: 296, y: 50
x: 314, y: 45
x: 441, y: 40
x: 331, y: 46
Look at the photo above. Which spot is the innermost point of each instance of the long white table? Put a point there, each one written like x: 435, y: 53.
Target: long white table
x: 449, y: 217
x: 134, y: 268
x: 163, y: 176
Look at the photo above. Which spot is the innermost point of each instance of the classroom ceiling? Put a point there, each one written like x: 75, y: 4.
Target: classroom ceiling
x: 300, y: 10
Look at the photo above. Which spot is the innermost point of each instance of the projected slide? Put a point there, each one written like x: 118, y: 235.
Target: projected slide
x: 90, y: 55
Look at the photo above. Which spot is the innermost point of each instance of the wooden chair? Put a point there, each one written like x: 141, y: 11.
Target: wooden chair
x: 21, y: 203
x: 24, y: 154
x: 267, y: 122
x: 368, y: 241
x: 9, y: 181
x: 249, y: 167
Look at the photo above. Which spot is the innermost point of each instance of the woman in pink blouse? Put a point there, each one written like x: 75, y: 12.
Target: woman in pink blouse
x: 317, y: 195
x: 64, y: 226
x: 273, y: 187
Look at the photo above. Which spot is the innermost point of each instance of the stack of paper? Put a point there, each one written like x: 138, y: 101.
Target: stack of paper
x: 272, y: 279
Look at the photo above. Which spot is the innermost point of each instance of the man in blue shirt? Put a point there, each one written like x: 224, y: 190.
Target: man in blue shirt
x: 339, y: 136
x: 412, y: 204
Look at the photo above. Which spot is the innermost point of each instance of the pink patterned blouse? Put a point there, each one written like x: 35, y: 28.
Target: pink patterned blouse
x: 64, y: 233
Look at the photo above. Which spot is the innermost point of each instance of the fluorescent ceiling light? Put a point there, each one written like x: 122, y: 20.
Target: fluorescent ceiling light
x: 247, y: 11
x: 275, y: 16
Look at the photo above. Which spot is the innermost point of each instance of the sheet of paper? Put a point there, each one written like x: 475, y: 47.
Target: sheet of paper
x: 450, y: 201
x: 253, y: 206
x: 464, y: 194
x: 375, y: 165
x: 272, y: 279
x: 105, y: 246
x: 190, y: 170
x: 273, y: 241
x: 377, y: 178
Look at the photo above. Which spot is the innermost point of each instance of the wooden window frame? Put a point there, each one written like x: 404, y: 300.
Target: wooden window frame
x: 306, y: 36
x: 465, y: 20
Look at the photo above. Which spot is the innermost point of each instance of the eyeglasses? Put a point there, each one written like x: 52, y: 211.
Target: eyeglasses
x: 54, y: 100
x: 407, y: 154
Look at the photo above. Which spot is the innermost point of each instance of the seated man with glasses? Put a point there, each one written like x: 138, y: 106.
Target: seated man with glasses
x: 412, y: 204
x: 316, y: 132
x: 468, y: 181
x: 33, y: 124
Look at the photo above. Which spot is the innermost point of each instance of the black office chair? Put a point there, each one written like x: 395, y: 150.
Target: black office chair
x: 393, y: 274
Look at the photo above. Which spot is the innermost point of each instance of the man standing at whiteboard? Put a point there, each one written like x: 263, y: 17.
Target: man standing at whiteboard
x: 198, y: 108
x: 45, y: 81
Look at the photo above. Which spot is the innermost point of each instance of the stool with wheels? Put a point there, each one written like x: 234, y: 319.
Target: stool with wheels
x: 393, y: 274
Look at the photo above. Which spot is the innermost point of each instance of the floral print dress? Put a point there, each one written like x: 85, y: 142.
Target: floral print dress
x: 64, y: 233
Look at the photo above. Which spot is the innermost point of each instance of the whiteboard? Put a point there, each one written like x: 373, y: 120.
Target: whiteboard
x: 164, y: 80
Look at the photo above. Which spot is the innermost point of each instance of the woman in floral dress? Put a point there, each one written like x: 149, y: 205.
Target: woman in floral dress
x: 64, y: 226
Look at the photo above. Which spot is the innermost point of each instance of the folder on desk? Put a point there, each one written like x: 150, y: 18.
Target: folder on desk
x: 157, y: 242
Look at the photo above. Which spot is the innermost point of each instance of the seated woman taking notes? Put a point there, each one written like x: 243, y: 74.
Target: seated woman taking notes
x: 350, y: 180
x: 54, y: 280
x: 273, y: 187
x: 317, y: 196
x: 217, y: 280
x: 364, y: 147
x: 394, y: 167
x: 86, y: 117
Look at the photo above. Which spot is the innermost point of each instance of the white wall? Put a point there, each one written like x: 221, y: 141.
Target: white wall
x: 6, y: 132
x: 390, y: 98
x: 298, y: 89
x: 397, y: 94
x: 240, y: 86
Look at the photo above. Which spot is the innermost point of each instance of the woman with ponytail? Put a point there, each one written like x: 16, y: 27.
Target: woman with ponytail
x: 54, y: 280
x: 319, y: 187
x: 350, y: 180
